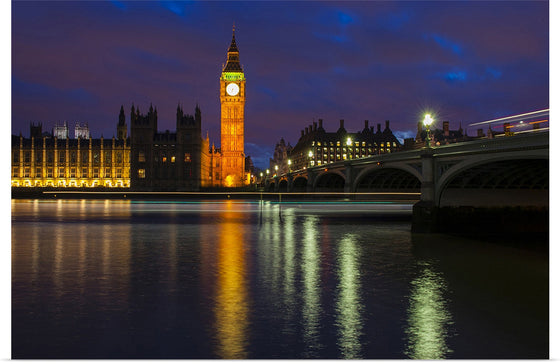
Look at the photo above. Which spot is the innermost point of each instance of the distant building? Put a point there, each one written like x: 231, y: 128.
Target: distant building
x: 60, y: 131
x: 280, y: 158
x: 317, y: 147
x: 82, y: 131
x: 438, y: 137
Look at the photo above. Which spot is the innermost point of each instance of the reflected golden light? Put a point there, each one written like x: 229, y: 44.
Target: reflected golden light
x: 231, y: 302
x: 428, y: 317
x: 348, y: 305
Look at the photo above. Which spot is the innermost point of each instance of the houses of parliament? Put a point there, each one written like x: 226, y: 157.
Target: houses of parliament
x: 145, y: 160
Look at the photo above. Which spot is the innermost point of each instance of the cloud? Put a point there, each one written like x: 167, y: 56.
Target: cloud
x: 446, y: 44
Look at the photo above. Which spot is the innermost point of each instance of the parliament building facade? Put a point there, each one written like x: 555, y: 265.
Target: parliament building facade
x: 147, y: 160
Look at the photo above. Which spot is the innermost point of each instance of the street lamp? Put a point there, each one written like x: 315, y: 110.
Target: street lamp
x: 276, y: 169
x: 289, y: 165
x: 428, y: 120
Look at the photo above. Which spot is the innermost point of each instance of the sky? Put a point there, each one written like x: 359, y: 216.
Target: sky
x: 465, y: 62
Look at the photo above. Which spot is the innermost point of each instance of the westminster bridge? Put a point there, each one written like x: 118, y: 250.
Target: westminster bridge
x: 487, y: 172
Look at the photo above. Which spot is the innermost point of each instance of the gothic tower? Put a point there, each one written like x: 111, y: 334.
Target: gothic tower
x: 232, y: 100
x: 121, y: 126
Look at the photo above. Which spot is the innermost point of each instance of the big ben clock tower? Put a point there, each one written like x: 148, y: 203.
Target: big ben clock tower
x: 232, y: 100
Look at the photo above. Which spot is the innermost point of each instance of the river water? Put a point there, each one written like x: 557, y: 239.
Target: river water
x: 242, y: 279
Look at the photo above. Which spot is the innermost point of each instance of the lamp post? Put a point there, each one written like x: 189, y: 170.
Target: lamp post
x: 289, y: 165
x: 276, y: 169
x: 428, y: 120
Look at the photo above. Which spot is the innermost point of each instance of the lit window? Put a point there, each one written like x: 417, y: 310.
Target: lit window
x: 164, y: 159
x: 119, y: 173
x: 107, y: 172
x: 96, y: 173
x: 38, y: 172
x: 394, y: 144
x: 49, y: 172
x: 141, y: 157
x: 344, y: 156
x: 173, y: 159
x: 84, y: 172
x: 319, y: 143
x: 72, y: 172
x: 141, y: 173
x: 61, y: 172
x: 188, y: 158
x: 338, y: 144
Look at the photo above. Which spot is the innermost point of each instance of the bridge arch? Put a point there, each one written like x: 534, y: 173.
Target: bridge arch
x: 271, y: 186
x: 283, y: 185
x: 514, y: 180
x: 299, y: 184
x: 329, y: 181
x: 397, y: 176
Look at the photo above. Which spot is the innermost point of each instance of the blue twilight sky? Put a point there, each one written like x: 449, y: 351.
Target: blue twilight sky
x: 465, y: 61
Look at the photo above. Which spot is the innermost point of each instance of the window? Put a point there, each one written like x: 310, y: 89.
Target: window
x: 61, y: 156
x: 172, y: 159
x: 164, y: 159
x: 96, y: 158
x: 61, y: 172
x: 119, y: 157
x: 72, y: 172
x: 38, y: 156
x: 188, y: 158
x: 119, y: 173
x: 27, y: 157
x: 141, y: 156
x: 50, y: 157
x: 16, y: 157
x: 73, y: 157
x: 15, y: 172
x: 96, y: 173
x: 49, y: 173
x: 141, y: 173
x: 107, y: 172
x: 84, y: 172
x: 38, y: 172
x: 107, y: 157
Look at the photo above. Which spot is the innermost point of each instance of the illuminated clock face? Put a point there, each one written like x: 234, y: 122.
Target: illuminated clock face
x: 232, y: 89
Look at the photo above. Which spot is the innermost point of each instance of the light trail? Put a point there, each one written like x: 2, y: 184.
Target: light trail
x: 517, y: 117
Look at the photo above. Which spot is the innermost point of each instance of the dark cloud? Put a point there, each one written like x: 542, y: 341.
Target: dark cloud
x: 469, y: 61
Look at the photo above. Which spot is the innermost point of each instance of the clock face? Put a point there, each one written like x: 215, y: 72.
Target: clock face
x: 232, y: 89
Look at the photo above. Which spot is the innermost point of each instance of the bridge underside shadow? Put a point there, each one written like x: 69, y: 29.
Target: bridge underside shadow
x: 388, y: 180
x: 330, y: 182
x: 506, y: 183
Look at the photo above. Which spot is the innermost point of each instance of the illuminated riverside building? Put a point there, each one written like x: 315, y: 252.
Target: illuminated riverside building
x: 45, y: 161
x: 317, y: 147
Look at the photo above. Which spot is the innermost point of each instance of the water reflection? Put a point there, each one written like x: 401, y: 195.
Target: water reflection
x: 311, y: 287
x: 231, y: 302
x: 428, y: 316
x: 348, y: 305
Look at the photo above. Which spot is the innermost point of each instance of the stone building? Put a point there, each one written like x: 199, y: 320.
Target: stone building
x: 168, y: 161
x: 280, y: 158
x: 317, y: 147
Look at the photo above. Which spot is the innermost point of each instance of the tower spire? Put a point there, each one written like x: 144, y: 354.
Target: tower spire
x: 233, y: 64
